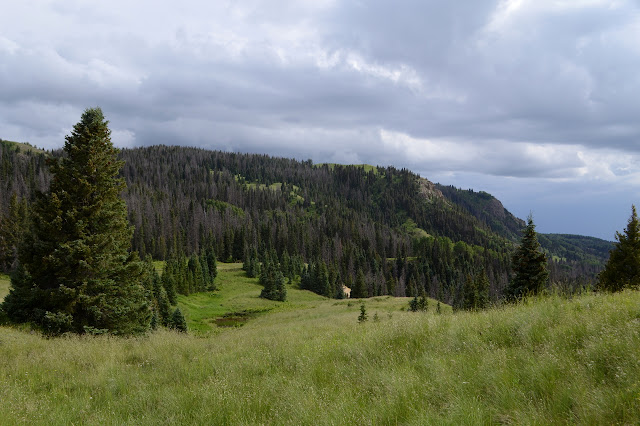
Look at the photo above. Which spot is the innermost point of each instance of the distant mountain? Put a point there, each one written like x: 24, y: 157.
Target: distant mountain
x: 562, y: 247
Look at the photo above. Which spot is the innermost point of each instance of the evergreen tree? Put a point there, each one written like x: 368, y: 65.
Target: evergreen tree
x: 163, y: 307
x: 623, y: 267
x: 363, y: 314
x: 12, y: 228
x: 413, y: 304
x: 529, y: 264
x: 469, y: 294
x: 195, y: 272
x: 273, y: 281
x: 177, y: 321
x: 77, y: 272
x: 423, y: 302
x: 212, y: 263
x: 359, y: 289
x: 169, y: 285
x: 482, y: 291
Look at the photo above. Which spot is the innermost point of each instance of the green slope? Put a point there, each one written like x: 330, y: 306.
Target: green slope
x: 237, y: 302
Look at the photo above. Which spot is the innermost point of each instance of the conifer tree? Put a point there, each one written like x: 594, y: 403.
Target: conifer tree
x: 482, y: 290
x: 363, y: 314
x: 413, y: 304
x: 423, y: 302
x: 529, y: 264
x: 272, y: 280
x: 12, y: 228
x: 169, y: 284
x: 76, y: 270
x: 623, y: 267
x: 177, y: 321
x: 212, y: 263
x: 359, y: 288
x: 469, y: 294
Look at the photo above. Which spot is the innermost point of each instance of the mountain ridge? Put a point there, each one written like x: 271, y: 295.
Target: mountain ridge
x: 348, y: 216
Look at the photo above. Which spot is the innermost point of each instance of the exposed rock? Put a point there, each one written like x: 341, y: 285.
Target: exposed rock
x: 428, y: 190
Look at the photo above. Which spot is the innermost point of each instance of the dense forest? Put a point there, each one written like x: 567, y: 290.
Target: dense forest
x: 380, y: 230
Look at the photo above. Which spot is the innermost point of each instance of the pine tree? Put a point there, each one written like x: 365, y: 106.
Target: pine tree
x: 529, y: 264
x: 273, y: 281
x: 469, y: 294
x: 482, y: 290
x: 623, y: 267
x: 413, y: 304
x: 169, y: 284
x: 76, y: 270
x: 363, y: 314
x: 11, y: 230
x: 177, y: 321
x: 212, y: 263
x: 423, y: 303
x: 359, y: 289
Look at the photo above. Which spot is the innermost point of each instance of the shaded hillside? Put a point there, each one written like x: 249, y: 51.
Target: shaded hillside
x: 576, y: 248
x: 487, y: 209
x: 573, y: 256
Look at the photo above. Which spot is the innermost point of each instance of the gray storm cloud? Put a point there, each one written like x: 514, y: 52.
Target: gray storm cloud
x: 538, y: 90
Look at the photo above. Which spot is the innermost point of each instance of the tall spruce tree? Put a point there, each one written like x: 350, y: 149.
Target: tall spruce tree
x: 273, y: 280
x: 529, y: 264
x: 623, y: 267
x: 76, y: 271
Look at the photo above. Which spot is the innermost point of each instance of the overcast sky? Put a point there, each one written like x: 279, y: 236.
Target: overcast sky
x: 536, y: 102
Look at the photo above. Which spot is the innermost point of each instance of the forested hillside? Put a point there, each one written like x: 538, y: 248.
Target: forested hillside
x: 399, y: 232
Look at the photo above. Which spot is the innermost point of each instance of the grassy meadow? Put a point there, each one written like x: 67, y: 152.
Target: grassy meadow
x: 309, y: 361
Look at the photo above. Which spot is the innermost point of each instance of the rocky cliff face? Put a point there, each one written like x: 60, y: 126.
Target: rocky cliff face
x: 429, y: 190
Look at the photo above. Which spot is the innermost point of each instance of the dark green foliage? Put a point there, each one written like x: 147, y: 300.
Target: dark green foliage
x: 363, y: 314
x: 623, y: 268
x: 169, y: 285
x: 77, y: 274
x: 273, y: 280
x: 469, y: 294
x: 420, y: 303
x: 177, y: 321
x: 196, y: 277
x: 529, y: 266
x: 359, y: 289
x: 12, y: 227
x: 209, y: 259
x: 251, y: 263
x: 476, y: 292
x: 189, y: 275
x: 160, y: 301
x: 423, y: 302
x: 482, y: 291
x: 413, y: 304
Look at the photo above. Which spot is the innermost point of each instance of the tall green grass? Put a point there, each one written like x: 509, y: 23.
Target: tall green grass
x: 546, y: 361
